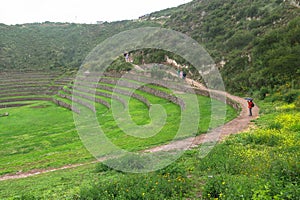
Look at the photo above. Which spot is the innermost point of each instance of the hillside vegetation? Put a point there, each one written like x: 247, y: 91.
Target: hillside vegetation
x: 258, y: 40
x: 255, y: 43
x: 54, y: 46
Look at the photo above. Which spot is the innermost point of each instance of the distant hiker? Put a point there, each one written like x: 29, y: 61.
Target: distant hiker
x: 250, y: 106
x: 178, y: 72
x: 184, y: 75
x: 181, y: 74
x: 126, y: 55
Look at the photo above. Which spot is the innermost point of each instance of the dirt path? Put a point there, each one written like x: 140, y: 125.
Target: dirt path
x: 36, y: 172
x: 239, y: 124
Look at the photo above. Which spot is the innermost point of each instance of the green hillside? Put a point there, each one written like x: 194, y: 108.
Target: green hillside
x: 54, y: 46
x: 257, y: 40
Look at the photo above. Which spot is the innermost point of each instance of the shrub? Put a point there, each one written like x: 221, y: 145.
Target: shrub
x: 101, y: 167
x: 130, y: 162
x: 263, y: 92
x: 290, y: 96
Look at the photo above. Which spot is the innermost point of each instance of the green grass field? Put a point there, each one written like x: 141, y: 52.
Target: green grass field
x: 260, y: 164
x: 43, y: 135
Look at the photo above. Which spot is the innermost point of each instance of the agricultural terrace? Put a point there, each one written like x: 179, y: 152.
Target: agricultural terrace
x: 39, y: 132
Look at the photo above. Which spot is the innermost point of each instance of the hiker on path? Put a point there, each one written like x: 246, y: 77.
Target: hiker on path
x: 181, y: 74
x: 250, y: 106
x: 126, y: 55
x: 184, y: 75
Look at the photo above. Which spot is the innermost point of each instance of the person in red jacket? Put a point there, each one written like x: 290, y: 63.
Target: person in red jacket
x: 250, y: 106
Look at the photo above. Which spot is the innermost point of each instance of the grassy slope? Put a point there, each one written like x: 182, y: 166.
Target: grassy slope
x: 260, y: 164
x: 43, y: 135
x: 263, y: 163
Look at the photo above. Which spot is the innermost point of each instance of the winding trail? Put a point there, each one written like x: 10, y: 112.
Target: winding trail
x: 237, y: 125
